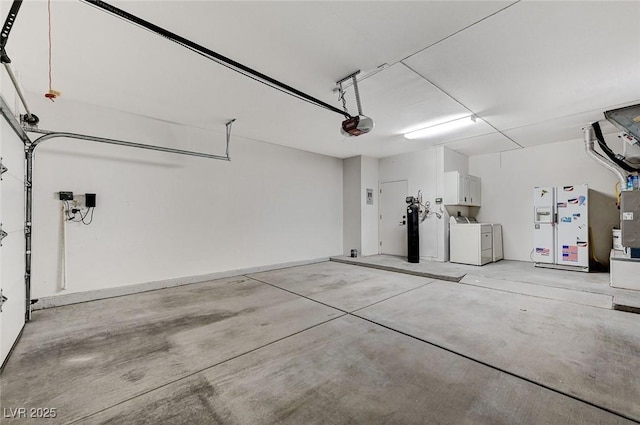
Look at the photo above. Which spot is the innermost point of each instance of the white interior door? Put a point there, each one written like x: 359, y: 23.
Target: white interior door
x: 393, y: 218
x: 12, y: 317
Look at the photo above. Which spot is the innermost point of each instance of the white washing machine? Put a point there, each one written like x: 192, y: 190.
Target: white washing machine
x: 474, y: 243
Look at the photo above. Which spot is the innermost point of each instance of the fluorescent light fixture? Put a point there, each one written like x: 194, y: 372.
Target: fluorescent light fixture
x: 441, y: 128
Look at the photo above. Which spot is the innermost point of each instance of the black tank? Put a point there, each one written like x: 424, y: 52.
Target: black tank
x: 413, y: 233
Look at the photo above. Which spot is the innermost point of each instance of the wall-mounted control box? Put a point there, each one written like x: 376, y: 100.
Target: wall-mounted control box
x: 90, y: 200
x: 66, y: 196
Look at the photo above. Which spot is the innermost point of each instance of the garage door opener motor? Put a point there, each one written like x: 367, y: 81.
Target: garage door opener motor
x: 353, y: 125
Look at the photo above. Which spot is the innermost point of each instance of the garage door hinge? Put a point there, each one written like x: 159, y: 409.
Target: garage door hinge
x: 3, y: 169
x: 3, y: 299
x: 3, y: 234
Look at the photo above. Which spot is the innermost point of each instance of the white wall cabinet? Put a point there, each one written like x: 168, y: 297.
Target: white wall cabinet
x: 462, y: 189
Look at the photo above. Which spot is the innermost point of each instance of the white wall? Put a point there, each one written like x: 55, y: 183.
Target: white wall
x: 455, y: 161
x: 161, y: 216
x: 369, y: 213
x: 420, y: 169
x: 360, y: 219
x: 508, y: 179
x: 351, y: 209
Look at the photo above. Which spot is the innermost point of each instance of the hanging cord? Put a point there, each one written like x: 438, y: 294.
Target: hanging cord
x: 49, y: 13
x: 344, y: 101
x: 51, y: 94
x: 425, y: 209
x: 70, y: 214
x: 357, y: 93
x: 89, y: 212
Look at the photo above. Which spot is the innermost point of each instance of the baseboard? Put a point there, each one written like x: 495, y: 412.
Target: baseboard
x: 80, y: 297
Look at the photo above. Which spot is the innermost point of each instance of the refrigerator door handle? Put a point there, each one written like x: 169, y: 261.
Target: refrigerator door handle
x: 555, y: 218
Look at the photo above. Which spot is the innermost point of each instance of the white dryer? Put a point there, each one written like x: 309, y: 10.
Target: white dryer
x: 474, y: 243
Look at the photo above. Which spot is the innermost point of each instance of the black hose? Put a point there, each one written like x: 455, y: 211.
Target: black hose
x: 607, y: 150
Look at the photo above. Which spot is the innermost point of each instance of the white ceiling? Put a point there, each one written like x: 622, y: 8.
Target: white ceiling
x: 533, y: 71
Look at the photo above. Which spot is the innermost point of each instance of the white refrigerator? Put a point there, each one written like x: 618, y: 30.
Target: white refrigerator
x: 561, y: 227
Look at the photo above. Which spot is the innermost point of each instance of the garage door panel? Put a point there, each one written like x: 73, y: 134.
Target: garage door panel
x: 11, y: 151
x: 12, y: 271
x: 12, y: 207
x: 12, y: 262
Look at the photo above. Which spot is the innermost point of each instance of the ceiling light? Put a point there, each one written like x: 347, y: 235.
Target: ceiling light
x: 441, y: 128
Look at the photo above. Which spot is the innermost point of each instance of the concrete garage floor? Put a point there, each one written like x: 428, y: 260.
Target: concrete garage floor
x: 329, y: 343
x: 512, y: 276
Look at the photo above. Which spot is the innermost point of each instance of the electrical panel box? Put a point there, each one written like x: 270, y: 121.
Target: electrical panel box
x: 630, y: 218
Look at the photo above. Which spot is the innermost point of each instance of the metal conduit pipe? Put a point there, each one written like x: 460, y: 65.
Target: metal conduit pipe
x: 589, y: 147
x: 29, y: 154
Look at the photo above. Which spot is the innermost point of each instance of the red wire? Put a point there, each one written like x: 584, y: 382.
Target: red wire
x: 49, y: 10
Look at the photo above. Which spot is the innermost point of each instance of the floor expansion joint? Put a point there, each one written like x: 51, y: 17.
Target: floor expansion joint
x: 499, y: 369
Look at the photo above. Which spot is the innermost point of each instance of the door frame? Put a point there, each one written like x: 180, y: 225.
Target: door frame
x: 380, y: 183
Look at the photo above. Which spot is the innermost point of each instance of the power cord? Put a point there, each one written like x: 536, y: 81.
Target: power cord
x: 91, y: 209
x: 70, y: 214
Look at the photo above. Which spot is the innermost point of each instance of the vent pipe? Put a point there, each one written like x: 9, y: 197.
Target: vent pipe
x: 591, y: 152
